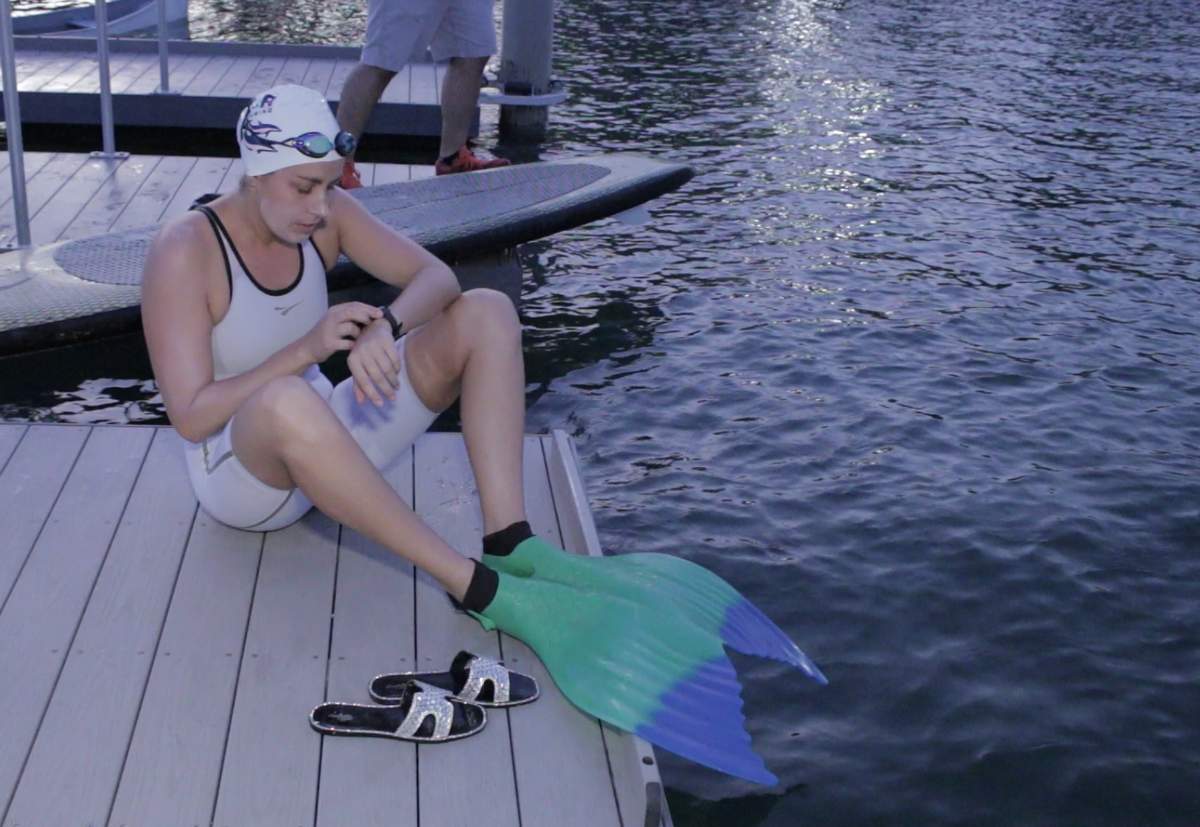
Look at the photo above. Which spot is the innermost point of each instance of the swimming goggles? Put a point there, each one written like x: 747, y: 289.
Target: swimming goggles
x: 312, y: 144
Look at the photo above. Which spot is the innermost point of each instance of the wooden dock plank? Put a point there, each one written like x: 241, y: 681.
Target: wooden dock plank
x: 67, y: 78
x: 231, y: 84
x: 33, y: 476
x: 90, y: 82
x: 634, y: 766
x: 42, y: 187
x: 180, y: 68
x: 34, y: 161
x: 121, y: 74
x: 370, y: 780
x: 282, y: 678
x: 318, y: 74
x: 130, y: 74
x: 263, y: 76
x: 366, y: 172
x: 207, y: 78
x: 70, y: 200
x: 77, y: 757
x: 50, y: 68
x: 373, y: 631
x: 293, y: 71
x: 178, y: 746
x: 147, y: 206
x: 40, y: 618
x: 232, y: 176
x: 147, y: 81
x: 391, y: 173
x: 399, y: 89
x: 205, y: 177
x: 180, y: 77
x: 333, y: 89
x: 83, y: 72
x: 10, y: 436
x: 42, y: 181
x: 558, y: 753
x: 446, y: 499
x: 28, y: 62
x: 114, y: 195
x: 424, y: 87
x: 144, y: 71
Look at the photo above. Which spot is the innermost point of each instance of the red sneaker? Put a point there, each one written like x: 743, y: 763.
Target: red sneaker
x: 466, y: 161
x: 350, y: 179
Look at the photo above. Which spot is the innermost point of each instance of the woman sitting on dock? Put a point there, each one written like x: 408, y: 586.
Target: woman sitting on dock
x: 236, y: 316
x: 237, y: 319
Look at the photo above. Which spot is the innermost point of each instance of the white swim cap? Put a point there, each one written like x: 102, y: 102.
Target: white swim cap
x: 289, y: 125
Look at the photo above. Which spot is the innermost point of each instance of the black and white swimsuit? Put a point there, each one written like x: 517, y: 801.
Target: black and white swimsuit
x: 258, y: 324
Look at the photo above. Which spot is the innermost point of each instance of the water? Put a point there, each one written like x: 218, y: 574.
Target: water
x: 913, y: 363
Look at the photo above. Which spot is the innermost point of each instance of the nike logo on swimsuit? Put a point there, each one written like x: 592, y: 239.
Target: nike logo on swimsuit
x: 283, y: 311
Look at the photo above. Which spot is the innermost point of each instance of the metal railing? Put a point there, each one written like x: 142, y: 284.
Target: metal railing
x: 12, y: 123
x: 106, y: 115
x: 12, y: 102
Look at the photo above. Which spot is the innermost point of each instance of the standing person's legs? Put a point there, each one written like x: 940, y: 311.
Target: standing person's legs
x: 467, y: 37
x: 460, y: 94
x: 396, y: 29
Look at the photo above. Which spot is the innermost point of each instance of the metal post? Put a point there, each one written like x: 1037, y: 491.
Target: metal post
x: 164, y: 79
x: 12, y: 122
x: 528, y: 36
x: 106, y: 115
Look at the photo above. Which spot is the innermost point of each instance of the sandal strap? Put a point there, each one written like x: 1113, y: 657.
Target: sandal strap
x: 479, y: 672
x: 426, y: 701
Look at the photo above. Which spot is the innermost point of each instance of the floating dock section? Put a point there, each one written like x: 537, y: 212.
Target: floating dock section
x: 58, y: 79
x: 159, y: 667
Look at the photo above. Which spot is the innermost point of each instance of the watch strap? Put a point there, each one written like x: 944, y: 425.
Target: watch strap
x: 397, y: 327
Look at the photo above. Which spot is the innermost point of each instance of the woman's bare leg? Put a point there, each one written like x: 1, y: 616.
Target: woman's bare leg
x: 473, y: 350
x: 287, y: 436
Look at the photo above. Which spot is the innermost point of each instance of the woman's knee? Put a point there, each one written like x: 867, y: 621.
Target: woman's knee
x: 487, y: 313
x: 289, y: 406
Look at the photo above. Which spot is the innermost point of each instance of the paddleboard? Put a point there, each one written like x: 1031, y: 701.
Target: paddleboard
x: 89, y: 288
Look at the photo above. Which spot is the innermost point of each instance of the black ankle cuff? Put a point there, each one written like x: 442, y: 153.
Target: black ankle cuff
x: 482, y: 589
x: 502, y: 542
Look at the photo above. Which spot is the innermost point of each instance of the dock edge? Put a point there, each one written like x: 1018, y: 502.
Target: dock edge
x: 631, y: 759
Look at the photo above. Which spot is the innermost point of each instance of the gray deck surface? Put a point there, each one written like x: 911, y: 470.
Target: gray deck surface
x: 72, y: 195
x: 158, y: 667
x: 59, y: 83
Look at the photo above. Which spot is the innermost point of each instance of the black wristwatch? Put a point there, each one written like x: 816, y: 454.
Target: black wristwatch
x: 397, y: 327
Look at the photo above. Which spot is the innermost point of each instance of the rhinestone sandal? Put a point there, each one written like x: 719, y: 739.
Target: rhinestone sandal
x: 471, y: 678
x: 420, y: 712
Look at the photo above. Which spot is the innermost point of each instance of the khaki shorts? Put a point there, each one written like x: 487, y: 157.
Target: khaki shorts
x: 399, y: 31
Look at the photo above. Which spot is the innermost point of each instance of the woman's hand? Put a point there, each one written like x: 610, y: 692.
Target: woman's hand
x: 338, y: 330
x: 374, y: 363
